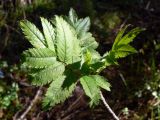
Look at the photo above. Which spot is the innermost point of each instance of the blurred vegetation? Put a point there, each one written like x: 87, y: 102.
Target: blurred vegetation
x: 136, y: 80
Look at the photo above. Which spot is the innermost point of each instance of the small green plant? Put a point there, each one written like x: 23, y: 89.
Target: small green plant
x: 8, y: 96
x: 8, y: 92
x: 65, y: 54
x: 152, y: 86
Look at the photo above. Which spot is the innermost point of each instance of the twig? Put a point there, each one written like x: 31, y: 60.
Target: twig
x: 12, y: 28
x: 74, y: 103
x: 71, y: 107
x: 123, y: 79
x: 108, y: 107
x: 148, y: 5
x: 31, y: 104
x: 157, y: 103
x: 15, y: 116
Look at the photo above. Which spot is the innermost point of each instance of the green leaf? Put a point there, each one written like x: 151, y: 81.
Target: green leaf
x: 110, y: 58
x: 124, y: 50
x: 82, y: 26
x: 125, y: 47
x: 72, y: 73
x: 73, y: 16
x: 88, y: 42
x: 68, y: 48
x: 121, y: 47
x: 119, y: 36
x: 56, y: 94
x: 91, y: 89
x: 32, y: 33
x: 129, y: 37
x: 49, y: 33
x: 122, y: 39
x: 86, y: 58
x: 102, y: 82
x: 98, y: 66
x: 48, y: 74
x: 90, y: 57
x: 95, y: 56
x: 39, y: 58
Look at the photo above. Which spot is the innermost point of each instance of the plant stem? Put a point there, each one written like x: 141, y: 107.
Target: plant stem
x: 39, y: 92
x: 108, y: 107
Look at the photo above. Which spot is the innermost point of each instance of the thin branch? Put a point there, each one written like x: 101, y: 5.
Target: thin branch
x: 12, y: 28
x: 39, y: 92
x: 108, y: 107
x: 74, y: 103
x: 123, y: 79
x: 71, y: 107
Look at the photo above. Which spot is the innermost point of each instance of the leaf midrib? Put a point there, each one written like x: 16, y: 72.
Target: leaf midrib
x: 34, y: 33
